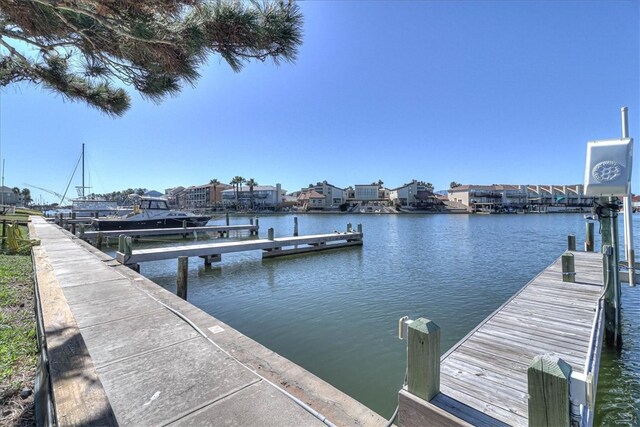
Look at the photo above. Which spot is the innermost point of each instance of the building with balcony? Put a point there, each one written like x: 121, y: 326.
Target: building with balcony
x: 260, y: 197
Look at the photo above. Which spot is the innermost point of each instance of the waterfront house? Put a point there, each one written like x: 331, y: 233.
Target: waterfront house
x: 533, y: 198
x: 262, y: 197
x: 333, y: 196
x: 417, y: 194
x: 310, y: 200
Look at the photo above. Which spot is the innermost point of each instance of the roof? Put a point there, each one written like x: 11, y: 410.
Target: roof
x: 310, y: 195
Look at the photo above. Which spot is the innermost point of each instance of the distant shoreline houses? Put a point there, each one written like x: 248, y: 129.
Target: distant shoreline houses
x: 413, y: 196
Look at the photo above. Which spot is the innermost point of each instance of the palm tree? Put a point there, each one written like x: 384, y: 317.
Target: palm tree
x: 237, y: 181
x: 251, y: 183
x: 215, y: 184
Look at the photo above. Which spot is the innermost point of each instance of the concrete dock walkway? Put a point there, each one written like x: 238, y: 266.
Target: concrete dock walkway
x: 122, y: 350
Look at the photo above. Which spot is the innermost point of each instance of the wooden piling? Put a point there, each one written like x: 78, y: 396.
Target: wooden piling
x: 270, y: 234
x: 360, y: 228
x: 588, y: 244
x: 423, y: 359
x: 128, y: 245
x: 227, y: 218
x: 96, y: 215
x: 571, y: 242
x: 183, y: 269
x: 568, y: 267
x: 612, y: 332
x: 257, y: 227
x: 349, y: 228
x: 73, y: 228
x: 74, y: 215
x: 121, y: 243
x: 548, y: 386
x: 295, y: 226
x: 81, y: 230
x: 99, y: 240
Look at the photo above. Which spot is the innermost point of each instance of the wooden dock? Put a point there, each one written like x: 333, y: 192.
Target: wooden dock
x: 275, y: 247
x: 121, y: 350
x: 485, y: 379
x: 221, y: 230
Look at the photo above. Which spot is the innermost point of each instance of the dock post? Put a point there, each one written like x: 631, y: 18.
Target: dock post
x: 295, y: 226
x: 571, y: 242
x: 183, y: 269
x: 568, y: 267
x: 81, y: 230
x: 184, y: 223
x: 128, y: 245
x: 96, y: 215
x: 548, y: 386
x: 74, y: 215
x: 612, y: 333
x: 73, y: 228
x: 423, y: 359
x: 4, y: 234
x: 99, y: 240
x: 121, y: 243
x: 349, y: 228
x: 250, y: 221
x: 270, y: 234
x: 227, y: 218
x: 588, y: 244
x: 257, y: 226
x: 360, y: 228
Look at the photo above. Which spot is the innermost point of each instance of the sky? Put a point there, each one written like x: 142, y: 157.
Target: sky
x: 478, y: 92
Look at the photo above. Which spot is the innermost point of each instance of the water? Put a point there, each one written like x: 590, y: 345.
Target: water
x: 336, y: 313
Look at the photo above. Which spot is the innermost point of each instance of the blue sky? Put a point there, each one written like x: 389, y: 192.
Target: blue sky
x: 473, y: 91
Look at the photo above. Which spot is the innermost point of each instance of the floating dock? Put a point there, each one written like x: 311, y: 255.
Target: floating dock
x: 117, y: 349
x: 275, y: 247
x: 486, y: 378
x: 221, y: 230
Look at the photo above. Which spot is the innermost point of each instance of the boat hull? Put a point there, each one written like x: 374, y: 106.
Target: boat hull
x: 125, y: 224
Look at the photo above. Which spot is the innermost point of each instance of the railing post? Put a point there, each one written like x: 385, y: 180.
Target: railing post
x: 588, y: 244
x: 571, y: 242
x: 183, y: 270
x: 568, y: 267
x: 423, y: 359
x: 121, y: 243
x: 548, y: 386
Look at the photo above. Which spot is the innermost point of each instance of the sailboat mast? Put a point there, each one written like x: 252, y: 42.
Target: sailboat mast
x: 83, y: 170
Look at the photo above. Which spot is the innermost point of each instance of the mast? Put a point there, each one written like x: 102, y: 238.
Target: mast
x: 83, y: 170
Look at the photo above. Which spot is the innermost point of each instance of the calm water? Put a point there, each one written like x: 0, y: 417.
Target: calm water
x: 335, y: 313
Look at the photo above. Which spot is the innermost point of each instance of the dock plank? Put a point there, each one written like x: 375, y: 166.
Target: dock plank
x: 486, y: 372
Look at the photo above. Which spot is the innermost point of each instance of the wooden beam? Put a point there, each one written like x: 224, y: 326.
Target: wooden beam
x: 423, y: 359
x: 548, y: 387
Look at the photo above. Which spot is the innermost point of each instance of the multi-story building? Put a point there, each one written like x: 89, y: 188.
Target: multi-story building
x: 196, y: 196
x: 321, y: 196
x: 256, y: 197
x: 417, y: 194
x: 538, y: 198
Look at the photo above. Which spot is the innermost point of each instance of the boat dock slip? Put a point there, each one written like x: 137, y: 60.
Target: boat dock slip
x: 121, y: 350
x: 271, y: 247
x: 486, y: 378
x: 220, y: 229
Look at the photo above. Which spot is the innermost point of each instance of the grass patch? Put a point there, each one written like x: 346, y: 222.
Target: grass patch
x: 18, y: 342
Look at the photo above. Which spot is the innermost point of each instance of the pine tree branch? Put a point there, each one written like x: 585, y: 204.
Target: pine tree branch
x: 13, y: 51
x: 55, y: 5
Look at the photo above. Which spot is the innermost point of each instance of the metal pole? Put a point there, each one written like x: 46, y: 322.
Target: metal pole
x: 628, y: 211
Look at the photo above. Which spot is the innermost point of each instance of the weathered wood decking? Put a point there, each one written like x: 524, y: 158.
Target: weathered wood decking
x: 92, y: 235
x: 122, y: 350
x: 276, y: 247
x: 483, y: 378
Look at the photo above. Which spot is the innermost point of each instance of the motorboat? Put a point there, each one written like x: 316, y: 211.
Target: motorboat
x: 151, y: 212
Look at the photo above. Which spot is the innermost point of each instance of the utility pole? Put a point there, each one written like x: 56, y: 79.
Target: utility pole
x: 628, y: 212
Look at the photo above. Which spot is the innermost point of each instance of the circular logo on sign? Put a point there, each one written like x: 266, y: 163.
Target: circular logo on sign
x: 607, y: 171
